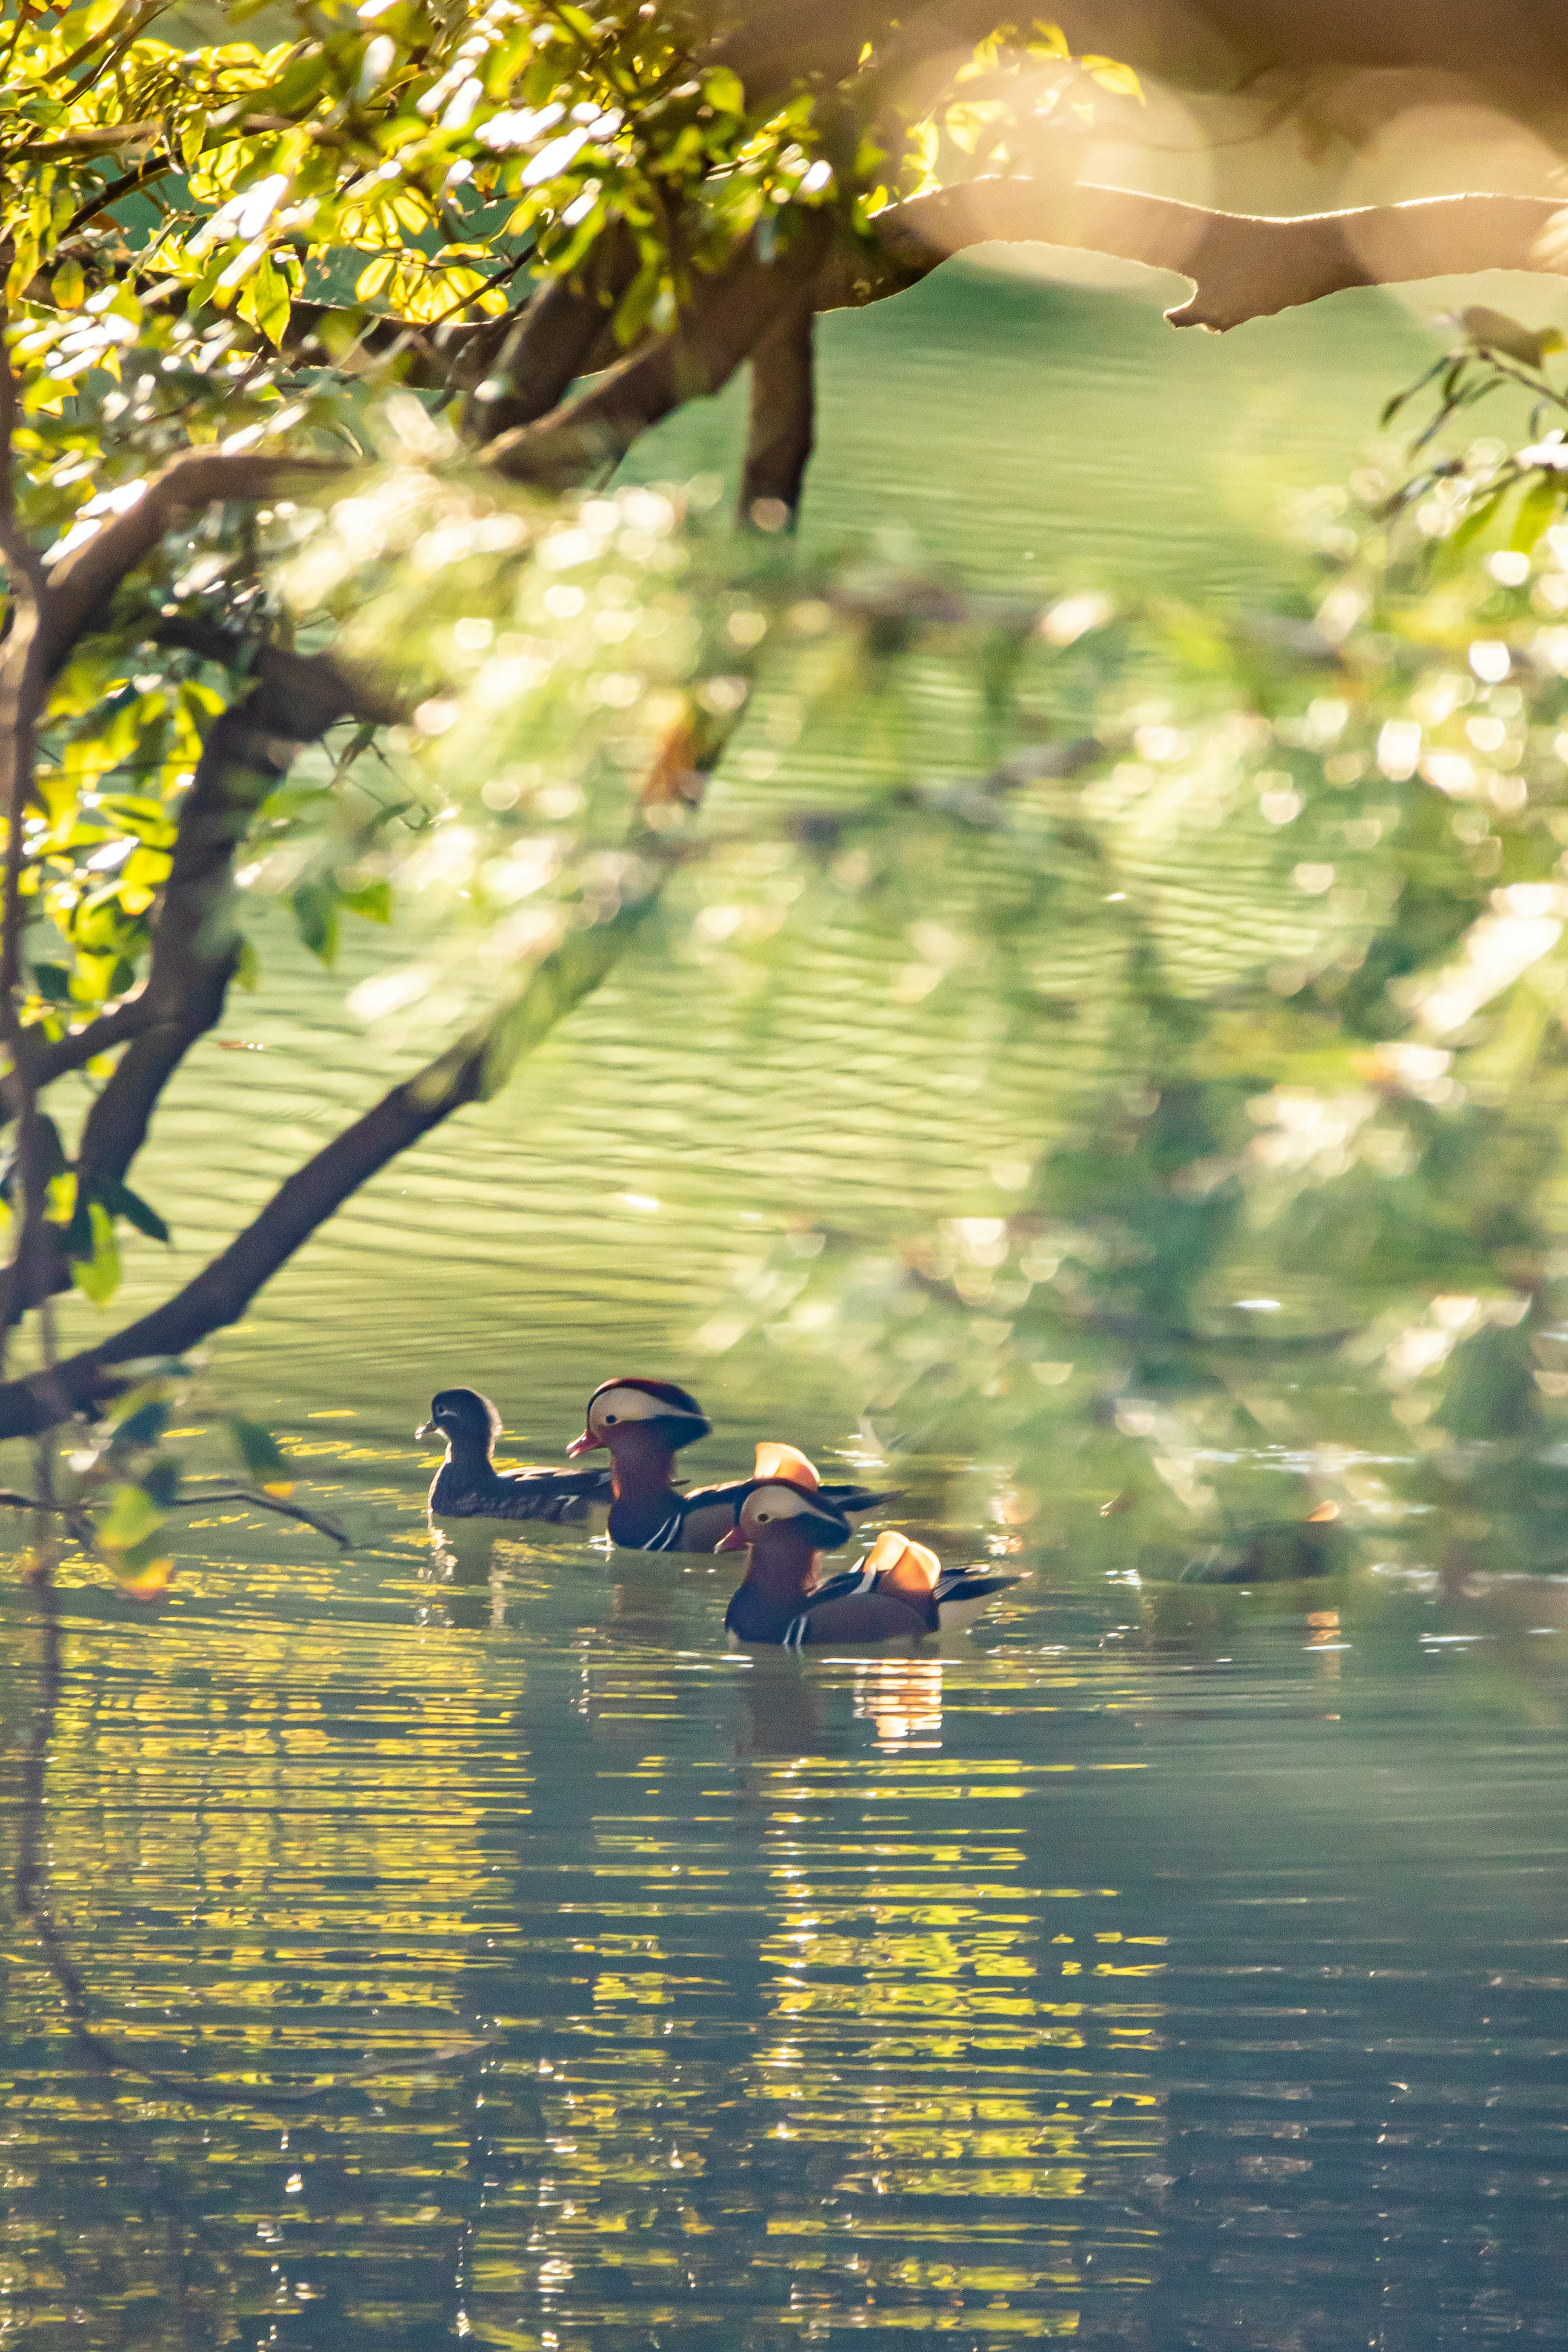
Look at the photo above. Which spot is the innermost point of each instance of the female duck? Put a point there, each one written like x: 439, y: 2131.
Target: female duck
x: 643, y: 1424
x: 469, y: 1487
x: 900, y: 1591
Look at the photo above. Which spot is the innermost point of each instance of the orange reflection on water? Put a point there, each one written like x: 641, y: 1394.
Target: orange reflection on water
x: 902, y: 1696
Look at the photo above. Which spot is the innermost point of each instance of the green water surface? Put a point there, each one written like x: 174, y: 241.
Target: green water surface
x: 495, y: 1955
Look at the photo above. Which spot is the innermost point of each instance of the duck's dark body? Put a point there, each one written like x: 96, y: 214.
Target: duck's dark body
x: 477, y: 1490
x: 847, y: 1607
x: 469, y: 1487
x: 652, y: 1517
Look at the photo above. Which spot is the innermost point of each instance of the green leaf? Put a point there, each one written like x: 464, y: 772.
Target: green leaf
x: 1536, y: 511
x: 133, y: 1517
x: 374, y: 901
x: 1494, y: 331
x: 315, y: 909
x: 123, y: 1202
x: 1048, y: 40
x: 724, y: 90
x: 300, y: 81
x: 266, y: 301
x: 143, y: 1559
x: 1112, y: 74
x: 98, y: 1276
x: 160, y: 1478
x: 258, y: 1452
x: 144, y: 1426
x: 1477, y: 519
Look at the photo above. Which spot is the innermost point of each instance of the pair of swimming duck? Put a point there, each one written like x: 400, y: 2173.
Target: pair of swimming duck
x: 782, y: 1516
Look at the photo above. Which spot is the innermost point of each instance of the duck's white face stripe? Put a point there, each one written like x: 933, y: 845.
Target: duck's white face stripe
x: 768, y: 1505
x: 618, y: 1405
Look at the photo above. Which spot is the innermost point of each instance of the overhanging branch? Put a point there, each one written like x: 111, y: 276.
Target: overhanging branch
x: 781, y: 423
x: 468, y: 1072
x: 297, y: 698
x: 1242, y: 265
x: 730, y: 312
x: 82, y: 582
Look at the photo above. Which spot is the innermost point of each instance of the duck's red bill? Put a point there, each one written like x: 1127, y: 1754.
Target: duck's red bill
x: 586, y: 1444
x: 734, y: 1541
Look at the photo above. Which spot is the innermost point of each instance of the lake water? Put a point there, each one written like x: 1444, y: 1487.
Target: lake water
x: 1158, y: 1966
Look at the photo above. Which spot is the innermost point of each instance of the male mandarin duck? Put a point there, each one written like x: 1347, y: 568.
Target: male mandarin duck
x: 899, y: 1591
x: 643, y: 1424
x: 469, y: 1487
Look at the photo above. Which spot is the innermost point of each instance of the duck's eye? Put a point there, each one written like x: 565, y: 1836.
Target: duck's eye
x: 611, y: 1417
x: 763, y: 1518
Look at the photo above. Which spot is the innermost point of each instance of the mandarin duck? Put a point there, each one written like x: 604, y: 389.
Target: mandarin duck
x: 643, y: 1424
x: 469, y: 1487
x: 899, y: 1591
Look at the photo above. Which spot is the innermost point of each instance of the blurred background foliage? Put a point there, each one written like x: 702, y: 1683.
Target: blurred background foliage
x: 1275, y: 1288
x: 1271, y: 906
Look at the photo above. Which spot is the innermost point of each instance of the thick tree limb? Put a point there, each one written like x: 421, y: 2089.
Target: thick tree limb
x: 781, y: 423
x: 51, y: 1059
x: 300, y: 698
x: 1242, y: 265
x: 468, y: 1072
x: 81, y: 582
x: 553, y: 340
x: 220, y: 1293
x: 195, y: 939
x: 729, y: 313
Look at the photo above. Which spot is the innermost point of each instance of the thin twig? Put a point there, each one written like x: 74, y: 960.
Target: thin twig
x: 322, y: 1524
x: 80, y: 1526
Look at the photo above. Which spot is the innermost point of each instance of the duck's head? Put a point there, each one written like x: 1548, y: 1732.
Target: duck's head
x: 459, y: 1414
x: 639, y: 1410
x: 784, y: 1512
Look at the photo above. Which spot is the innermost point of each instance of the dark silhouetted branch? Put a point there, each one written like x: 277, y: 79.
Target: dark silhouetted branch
x: 1242, y: 265
x: 220, y: 1293
x: 552, y: 340
x: 468, y: 1072
x: 195, y: 939
x: 82, y: 582
x: 781, y: 423
x: 729, y: 313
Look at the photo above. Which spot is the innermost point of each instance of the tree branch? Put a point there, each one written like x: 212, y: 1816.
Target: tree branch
x: 52, y: 1057
x: 81, y: 582
x: 306, y: 695
x: 23, y: 678
x: 1242, y: 265
x: 195, y: 939
x: 730, y: 311
x: 782, y: 425
x: 551, y: 340
x: 468, y: 1072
